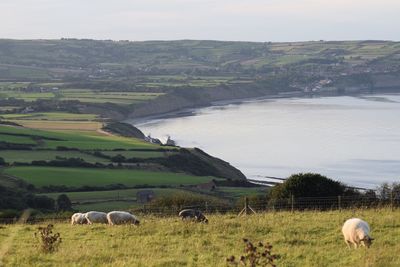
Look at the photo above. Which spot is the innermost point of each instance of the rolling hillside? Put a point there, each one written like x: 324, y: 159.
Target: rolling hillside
x: 119, y: 79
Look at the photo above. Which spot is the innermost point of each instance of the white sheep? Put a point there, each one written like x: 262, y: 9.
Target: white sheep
x: 356, y: 232
x: 78, y: 218
x: 121, y: 217
x: 96, y: 217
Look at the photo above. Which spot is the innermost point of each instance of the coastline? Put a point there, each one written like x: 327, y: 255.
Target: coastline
x: 360, y: 95
x: 190, y: 111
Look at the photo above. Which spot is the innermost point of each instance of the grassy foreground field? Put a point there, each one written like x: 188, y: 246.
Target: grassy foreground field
x: 301, y: 239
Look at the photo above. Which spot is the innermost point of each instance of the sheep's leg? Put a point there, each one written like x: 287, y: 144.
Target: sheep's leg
x: 355, y: 245
x: 347, y: 243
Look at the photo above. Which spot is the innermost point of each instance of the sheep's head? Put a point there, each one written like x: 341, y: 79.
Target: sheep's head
x: 136, y: 222
x: 367, y: 240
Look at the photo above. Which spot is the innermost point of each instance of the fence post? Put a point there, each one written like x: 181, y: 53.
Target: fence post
x: 292, y: 202
x: 340, y: 203
x: 206, y: 207
x: 246, y: 205
x: 391, y: 199
x: 246, y: 208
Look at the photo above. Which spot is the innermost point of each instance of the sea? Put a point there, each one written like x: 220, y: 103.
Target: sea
x: 352, y: 139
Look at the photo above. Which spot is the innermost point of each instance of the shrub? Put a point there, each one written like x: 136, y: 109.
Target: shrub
x: 307, y: 185
x: 63, y: 203
x: 260, y: 255
x: 49, y: 242
x: 40, y: 202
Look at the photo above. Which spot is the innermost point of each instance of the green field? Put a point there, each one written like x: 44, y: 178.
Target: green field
x: 301, y: 239
x: 30, y: 155
x: 82, y: 95
x: 85, y: 140
x: 76, y: 177
x: 26, y: 96
x: 89, y: 142
x: 15, y: 139
x: 92, y: 96
x: 50, y: 116
x: 60, y: 125
x: 124, y: 194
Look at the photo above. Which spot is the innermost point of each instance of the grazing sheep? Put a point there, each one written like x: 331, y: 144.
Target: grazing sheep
x: 96, y: 217
x: 121, y: 217
x: 356, y: 232
x: 78, y: 218
x: 193, y: 214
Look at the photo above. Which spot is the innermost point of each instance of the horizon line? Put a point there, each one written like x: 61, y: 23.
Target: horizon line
x: 189, y: 39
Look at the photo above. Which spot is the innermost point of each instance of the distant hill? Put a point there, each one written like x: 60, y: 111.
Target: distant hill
x: 119, y: 79
x: 73, y: 58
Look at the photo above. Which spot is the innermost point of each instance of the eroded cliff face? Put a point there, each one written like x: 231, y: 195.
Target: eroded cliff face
x: 386, y: 81
x: 198, y: 97
x: 195, y: 97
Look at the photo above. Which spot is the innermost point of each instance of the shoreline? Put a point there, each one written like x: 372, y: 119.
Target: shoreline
x: 193, y: 111
x: 218, y: 103
x: 190, y: 111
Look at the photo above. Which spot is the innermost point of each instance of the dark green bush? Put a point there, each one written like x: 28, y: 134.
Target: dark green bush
x: 307, y: 185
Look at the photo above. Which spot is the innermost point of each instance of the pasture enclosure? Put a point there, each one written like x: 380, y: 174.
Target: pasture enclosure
x: 77, y: 177
x: 83, y: 140
x: 300, y: 238
x: 28, y: 156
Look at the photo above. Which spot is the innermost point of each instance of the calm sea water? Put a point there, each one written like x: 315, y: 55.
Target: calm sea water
x: 352, y: 139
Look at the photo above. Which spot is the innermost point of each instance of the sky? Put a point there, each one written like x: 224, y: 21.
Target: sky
x: 236, y: 20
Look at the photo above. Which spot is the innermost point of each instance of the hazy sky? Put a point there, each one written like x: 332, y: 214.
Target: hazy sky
x: 252, y: 20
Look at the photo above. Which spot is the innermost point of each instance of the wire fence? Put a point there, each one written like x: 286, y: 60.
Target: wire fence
x: 250, y: 206
x: 286, y: 204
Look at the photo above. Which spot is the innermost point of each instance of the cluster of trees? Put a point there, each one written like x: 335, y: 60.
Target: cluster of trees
x: 308, y: 185
x: 22, y: 198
